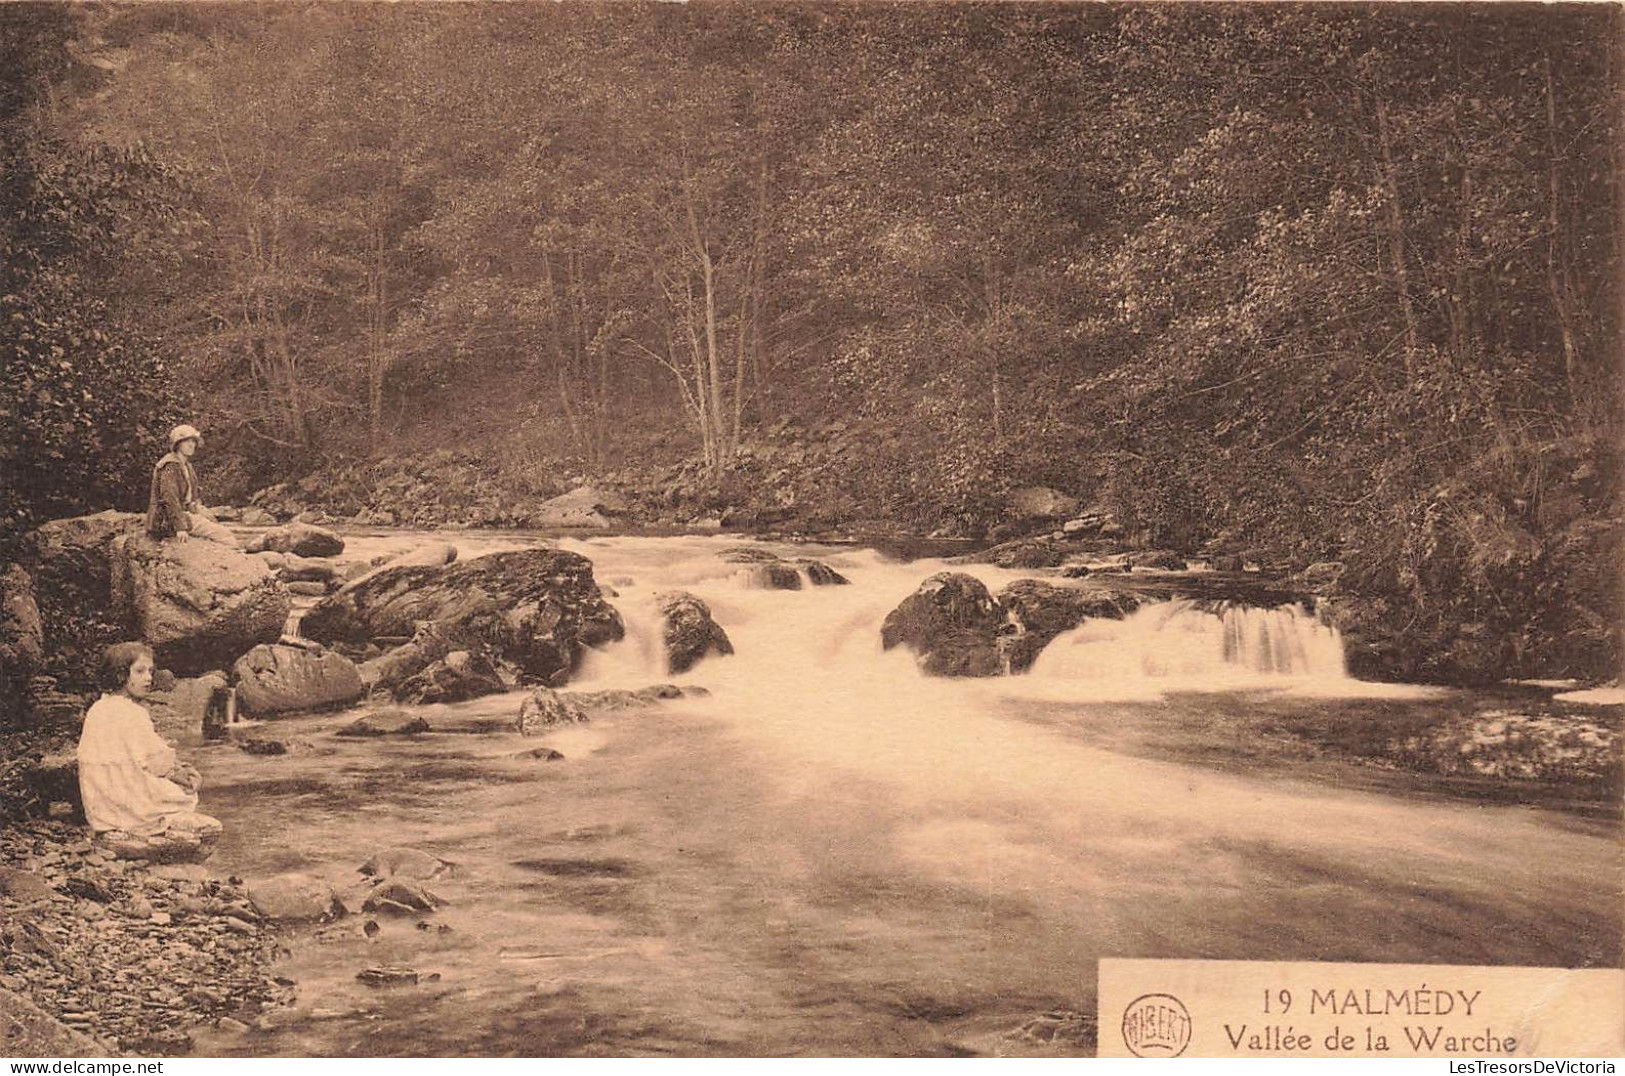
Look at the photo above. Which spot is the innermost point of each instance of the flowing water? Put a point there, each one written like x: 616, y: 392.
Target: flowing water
x: 832, y: 854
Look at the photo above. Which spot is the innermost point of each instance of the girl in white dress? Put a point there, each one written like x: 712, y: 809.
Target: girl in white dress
x: 132, y: 782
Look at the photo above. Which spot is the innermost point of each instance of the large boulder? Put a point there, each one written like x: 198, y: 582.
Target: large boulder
x: 1038, y: 611
x: 952, y: 624
x: 71, y: 564
x: 537, y: 608
x: 303, y: 539
x: 198, y: 604
x: 689, y: 634
x: 284, y: 679
x: 459, y: 676
x: 546, y: 710
x: 427, y: 555
x: 581, y: 507
x: 22, y: 635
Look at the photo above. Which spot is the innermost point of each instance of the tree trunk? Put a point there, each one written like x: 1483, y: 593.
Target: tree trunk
x: 1557, y: 277
x: 1396, y: 237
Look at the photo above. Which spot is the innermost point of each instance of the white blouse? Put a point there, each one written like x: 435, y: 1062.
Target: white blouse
x: 122, y: 767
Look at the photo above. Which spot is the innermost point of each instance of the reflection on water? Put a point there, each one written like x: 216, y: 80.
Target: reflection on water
x: 833, y: 854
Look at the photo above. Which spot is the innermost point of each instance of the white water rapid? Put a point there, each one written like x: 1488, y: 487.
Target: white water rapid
x: 833, y: 854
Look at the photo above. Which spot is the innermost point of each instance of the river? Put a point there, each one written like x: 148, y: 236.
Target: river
x: 832, y: 854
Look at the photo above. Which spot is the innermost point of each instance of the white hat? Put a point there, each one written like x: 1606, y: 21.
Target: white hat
x: 184, y: 432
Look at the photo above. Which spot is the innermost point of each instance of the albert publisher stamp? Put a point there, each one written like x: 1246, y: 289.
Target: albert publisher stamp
x: 1156, y: 1025
x: 1257, y: 1008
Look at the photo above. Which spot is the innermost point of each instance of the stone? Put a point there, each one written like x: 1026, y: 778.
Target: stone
x: 395, y: 894
x: 951, y: 623
x: 1228, y: 562
x: 160, y: 848
x: 409, y: 863
x: 545, y: 710
x: 388, y: 975
x: 302, y: 539
x: 583, y: 506
x: 22, y: 635
x: 272, y: 558
x: 198, y: 604
x: 459, y: 676
x: 307, y: 569
x: 689, y: 633
x: 294, y: 897
x: 177, y: 714
x: 1036, y: 612
x: 1025, y: 553
x: 625, y: 699
x: 1161, y: 559
x: 1040, y: 502
x: 307, y: 590
x: 537, y: 608
x: 428, y: 645
x: 775, y: 576
x: 284, y: 679
x: 70, y: 564
x: 540, y: 754
x: 820, y: 574
x: 427, y: 555
x: 55, y: 779
x: 257, y: 517
x: 385, y: 723
x: 226, y: 1023
x: 22, y: 886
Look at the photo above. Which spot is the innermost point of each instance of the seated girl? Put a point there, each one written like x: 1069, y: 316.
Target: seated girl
x: 133, y: 784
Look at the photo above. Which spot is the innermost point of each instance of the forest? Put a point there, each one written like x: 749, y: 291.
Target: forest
x: 1307, y: 283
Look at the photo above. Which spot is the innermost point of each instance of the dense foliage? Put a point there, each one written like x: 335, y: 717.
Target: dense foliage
x: 1311, y: 282
x: 84, y: 391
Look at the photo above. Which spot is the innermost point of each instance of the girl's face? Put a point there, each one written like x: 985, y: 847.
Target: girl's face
x: 139, y: 683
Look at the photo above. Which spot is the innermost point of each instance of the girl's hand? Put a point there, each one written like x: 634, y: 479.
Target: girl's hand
x: 186, y: 776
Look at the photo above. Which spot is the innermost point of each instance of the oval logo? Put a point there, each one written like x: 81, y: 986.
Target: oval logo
x: 1156, y: 1025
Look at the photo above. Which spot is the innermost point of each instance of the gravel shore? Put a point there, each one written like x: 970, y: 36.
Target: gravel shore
x: 133, y: 955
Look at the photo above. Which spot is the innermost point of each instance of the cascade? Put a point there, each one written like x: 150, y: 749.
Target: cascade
x: 1183, y: 640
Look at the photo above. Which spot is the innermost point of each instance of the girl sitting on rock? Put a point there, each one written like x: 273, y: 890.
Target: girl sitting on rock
x: 139, y: 796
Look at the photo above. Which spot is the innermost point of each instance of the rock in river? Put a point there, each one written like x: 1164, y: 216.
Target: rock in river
x: 302, y: 539
x: 197, y: 604
x: 385, y: 723
x: 690, y: 634
x: 294, y: 897
x: 537, y: 608
x: 457, y: 677
x: 951, y: 623
x: 282, y: 679
x: 546, y: 709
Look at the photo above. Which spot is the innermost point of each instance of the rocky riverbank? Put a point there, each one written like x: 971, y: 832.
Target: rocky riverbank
x: 136, y: 956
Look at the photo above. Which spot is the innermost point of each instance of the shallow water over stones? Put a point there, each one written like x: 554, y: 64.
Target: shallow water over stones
x: 831, y: 854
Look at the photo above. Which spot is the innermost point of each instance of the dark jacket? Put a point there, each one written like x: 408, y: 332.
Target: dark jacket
x: 174, y: 493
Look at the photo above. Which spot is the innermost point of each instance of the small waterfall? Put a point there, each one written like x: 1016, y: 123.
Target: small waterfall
x: 638, y: 659
x: 1182, y: 640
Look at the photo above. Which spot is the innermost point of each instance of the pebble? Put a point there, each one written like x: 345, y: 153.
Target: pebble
x: 226, y: 1023
x: 127, y: 979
